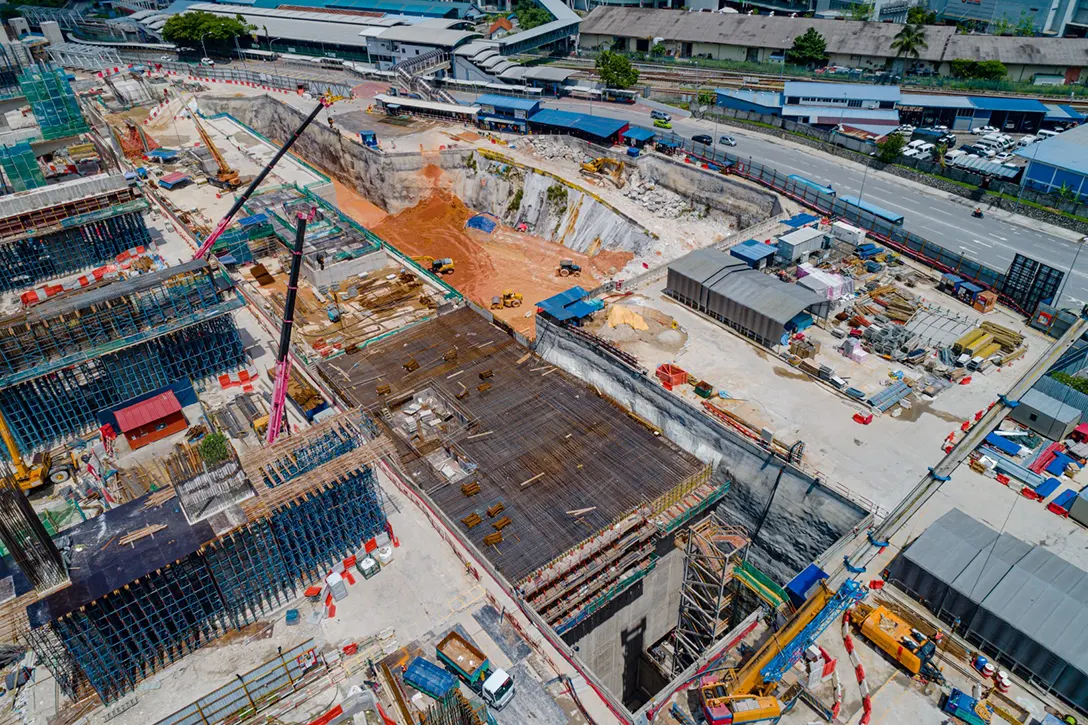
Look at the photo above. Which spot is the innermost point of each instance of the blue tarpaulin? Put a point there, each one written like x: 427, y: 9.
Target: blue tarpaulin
x: 796, y: 222
x: 482, y: 222
x: 1058, y: 466
x: 1064, y: 499
x: 1003, y: 444
x: 801, y: 585
x: 637, y: 133
x: 429, y: 678
x: 597, y: 126
x: 162, y: 154
x: 1047, y: 487
x: 251, y: 221
x: 569, y: 305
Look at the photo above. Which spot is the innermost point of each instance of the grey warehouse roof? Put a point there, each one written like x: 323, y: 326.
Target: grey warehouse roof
x: 1068, y: 150
x: 1013, y: 50
x: 754, y: 31
x: 415, y: 35
x: 1050, y: 407
x: 934, y: 101
x: 809, y: 89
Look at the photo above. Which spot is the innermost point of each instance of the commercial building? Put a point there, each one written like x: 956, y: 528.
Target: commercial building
x: 1018, y: 115
x: 598, y: 129
x: 1057, y: 163
x: 854, y: 44
x: 1055, y: 19
x: 1019, y: 604
x: 503, y: 113
x: 755, y: 304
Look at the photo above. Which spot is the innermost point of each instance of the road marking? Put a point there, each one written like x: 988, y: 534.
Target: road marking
x: 998, y: 236
x: 979, y: 241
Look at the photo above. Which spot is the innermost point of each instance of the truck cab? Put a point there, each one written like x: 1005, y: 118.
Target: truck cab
x: 471, y: 666
x: 498, y: 689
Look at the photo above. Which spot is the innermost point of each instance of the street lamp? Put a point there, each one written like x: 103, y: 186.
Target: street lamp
x: 1065, y: 280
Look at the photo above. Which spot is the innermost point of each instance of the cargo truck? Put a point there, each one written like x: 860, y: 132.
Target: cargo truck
x: 462, y: 658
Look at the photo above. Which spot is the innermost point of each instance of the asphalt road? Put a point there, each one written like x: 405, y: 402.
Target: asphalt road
x: 992, y: 240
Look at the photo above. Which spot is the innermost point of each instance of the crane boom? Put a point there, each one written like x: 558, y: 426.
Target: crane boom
x: 283, y: 360
x: 224, y: 168
x: 226, y: 220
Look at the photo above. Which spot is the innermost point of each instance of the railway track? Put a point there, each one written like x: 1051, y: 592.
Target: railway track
x: 671, y: 78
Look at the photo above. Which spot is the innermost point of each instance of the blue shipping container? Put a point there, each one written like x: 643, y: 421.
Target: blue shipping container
x: 429, y: 678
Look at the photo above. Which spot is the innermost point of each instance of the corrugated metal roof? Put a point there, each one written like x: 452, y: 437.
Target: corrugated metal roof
x: 1026, y: 105
x: 24, y: 202
x: 595, y: 125
x: 984, y: 166
x: 933, y: 101
x: 1050, y: 407
x: 439, y: 37
x: 855, y: 91
x: 570, y: 305
x: 426, y: 105
x: 768, y: 99
x: 543, y: 73
x: 520, y: 104
x: 1068, y: 150
x: 637, y: 133
x: 752, y: 251
x: 1013, y: 50
x: 147, y: 411
x: 759, y: 31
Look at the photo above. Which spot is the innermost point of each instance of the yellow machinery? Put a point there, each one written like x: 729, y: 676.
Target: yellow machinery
x: 225, y: 177
x: 435, y: 266
x: 42, y: 470
x: 898, y: 640
x: 742, y: 696
x: 598, y: 166
x: 509, y: 298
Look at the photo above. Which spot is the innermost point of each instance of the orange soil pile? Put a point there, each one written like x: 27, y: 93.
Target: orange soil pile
x: 357, y: 206
x: 487, y: 264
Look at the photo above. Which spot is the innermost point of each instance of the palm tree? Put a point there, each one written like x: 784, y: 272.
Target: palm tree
x: 911, y: 40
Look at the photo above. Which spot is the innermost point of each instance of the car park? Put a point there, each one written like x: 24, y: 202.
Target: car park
x: 1003, y: 156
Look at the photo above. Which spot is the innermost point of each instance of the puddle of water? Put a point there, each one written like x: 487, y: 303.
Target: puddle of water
x: 925, y: 407
x: 787, y: 373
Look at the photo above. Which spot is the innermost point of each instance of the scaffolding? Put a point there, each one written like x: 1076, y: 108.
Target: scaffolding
x: 209, y: 582
x: 456, y: 709
x: 53, y: 408
x: 52, y: 101
x: 20, y: 167
x: 706, y: 597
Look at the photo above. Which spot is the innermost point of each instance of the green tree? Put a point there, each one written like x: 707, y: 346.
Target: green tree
x: 890, y: 147
x: 616, y: 71
x: 911, y: 40
x: 991, y: 70
x: 809, y: 49
x: 658, y: 49
x: 214, y: 448
x: 530, y: 15
x: 1078, y: 384
x: 919, y: 15
x: 1025, y: 27
x: 1001, y: 26
x: 192, y: 27
x: 939, y: 152
x: 963, y: 68
x: 7, y: 12
x: 862, y: 11
x: 707, y: 98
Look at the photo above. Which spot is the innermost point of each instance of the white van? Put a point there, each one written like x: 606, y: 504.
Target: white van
x: 925, y: 150
x: 913, y: 145
x: 1027, y: 141
x: 951, y: 156
x: 990, y: 144
x: 1047, y: 134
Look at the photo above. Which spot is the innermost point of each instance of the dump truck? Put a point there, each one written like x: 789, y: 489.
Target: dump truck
x: 429, y: 678
x: 462, y: 658
x: 963, y: 707
x: 567, y: 267
x: 898, y: 640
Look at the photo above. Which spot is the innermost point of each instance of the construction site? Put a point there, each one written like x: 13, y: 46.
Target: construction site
x: 316, y: 411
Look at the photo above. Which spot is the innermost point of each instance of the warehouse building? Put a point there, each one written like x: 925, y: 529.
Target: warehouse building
x: 597, y: 129
x: 1019, y: 604
x: 853, y: 44
x: 755, y: 304
x: 1045, y: 415
x: 1058, y: 162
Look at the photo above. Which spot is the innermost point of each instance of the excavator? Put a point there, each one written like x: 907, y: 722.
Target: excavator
x: 747, y: 695
x: 598, y: 166
x: 225, y: 177
x: 42, y: 470
x: 435, y: 266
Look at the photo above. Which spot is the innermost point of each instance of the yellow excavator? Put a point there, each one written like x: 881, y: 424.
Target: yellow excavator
x: 599, y: 166
x: 44, y: 469
x: 225, y: 177
x: 435, y: 266
x: 744, y: 695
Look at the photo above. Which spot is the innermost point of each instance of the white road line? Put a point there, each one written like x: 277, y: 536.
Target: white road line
x: 979, y: 241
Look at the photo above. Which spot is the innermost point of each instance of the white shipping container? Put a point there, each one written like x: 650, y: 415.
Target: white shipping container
x: 844, y: 232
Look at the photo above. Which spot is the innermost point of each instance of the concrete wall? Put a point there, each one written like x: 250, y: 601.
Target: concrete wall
x: 611, y: 641
x: 387, y: 179
x: 338, y: 272
x: 805, y: 518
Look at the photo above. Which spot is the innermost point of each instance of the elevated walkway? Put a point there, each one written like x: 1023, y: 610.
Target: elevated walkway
x: 565, y: 25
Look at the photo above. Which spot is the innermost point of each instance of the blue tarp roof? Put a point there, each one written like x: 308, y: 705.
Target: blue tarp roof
x: 594, y: 125
x: 925, y: 100
x: 429, y: 678
x: 1003, y: 444
x: 752, y: 251
x: 970, y: 287
x: 671, y: 143
x: 1064, y: 499
x: 993, y: 103
x: 637, y: 133
x: 517, y: 104
x: 570, y: 305
x: 165, y: 154
x: 800, y: 220
x: 482, y: 222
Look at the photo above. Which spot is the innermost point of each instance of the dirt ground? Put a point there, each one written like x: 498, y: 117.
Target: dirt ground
x: 357, y: 206
x: 487, y: 264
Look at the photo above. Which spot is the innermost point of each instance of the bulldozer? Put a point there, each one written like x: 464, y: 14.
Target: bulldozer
x: 567, y: 267
x: 435, y: 266
x: 509, y: 298
x: 599, y: 166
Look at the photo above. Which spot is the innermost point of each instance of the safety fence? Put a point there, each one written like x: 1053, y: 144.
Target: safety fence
x: 242, y: 76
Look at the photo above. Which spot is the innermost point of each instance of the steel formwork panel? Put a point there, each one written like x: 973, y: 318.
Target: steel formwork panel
x: 53, y: 102
x: 51, y: 408
x: 21, y: 167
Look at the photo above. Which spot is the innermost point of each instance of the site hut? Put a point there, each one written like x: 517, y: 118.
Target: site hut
x: 506, y: 113
x: 597, y: 129
x: 799, y: 244
x: 404, y: 106
x: 755, y: 253
x: 1058, y: 162
x: 637, y: 137
x: 150, y: 420
x: 1046, y: 416
x: 757, y: 305
x: 1020, y: 605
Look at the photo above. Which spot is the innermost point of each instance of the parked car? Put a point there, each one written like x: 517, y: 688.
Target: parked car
x: 1003, y: 156
x: 660, y: 115
x: 985, y: 129
x: 727, y: 141
x: 906, y: 128
x: 940, y: 128
x: 207, y: 61
x: 703, y: 138
x: 661, y: 123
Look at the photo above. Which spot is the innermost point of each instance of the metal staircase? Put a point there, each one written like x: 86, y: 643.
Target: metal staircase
x: 409, y: 74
